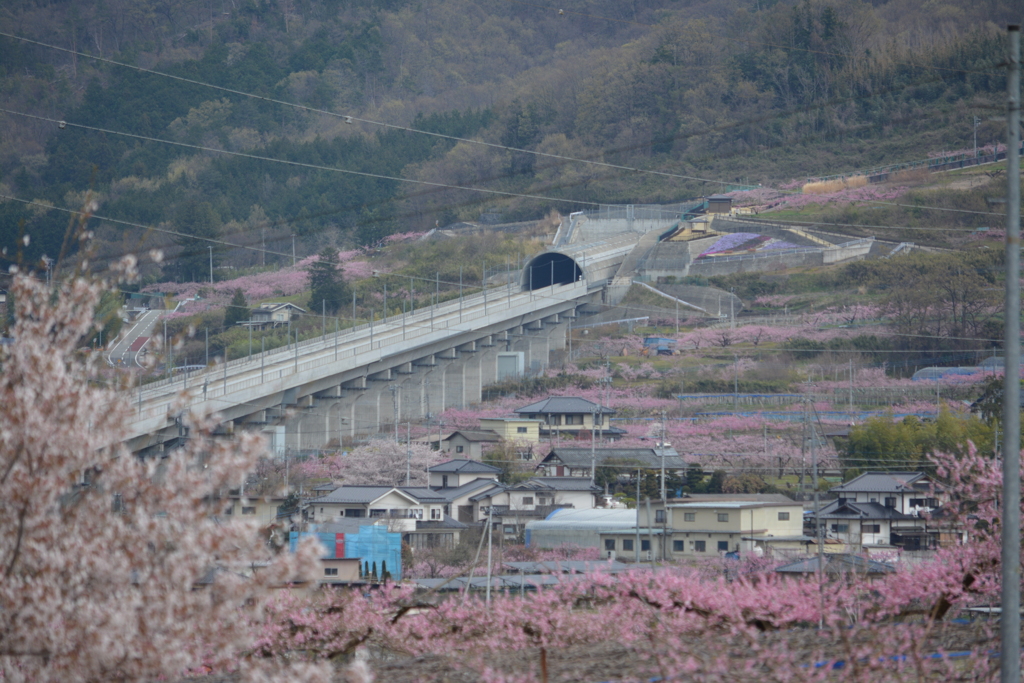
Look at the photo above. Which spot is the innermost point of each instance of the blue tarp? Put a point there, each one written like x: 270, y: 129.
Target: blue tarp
x: 373, y: 544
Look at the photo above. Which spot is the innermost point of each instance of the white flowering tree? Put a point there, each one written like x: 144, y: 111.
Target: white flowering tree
x: 113, y: 568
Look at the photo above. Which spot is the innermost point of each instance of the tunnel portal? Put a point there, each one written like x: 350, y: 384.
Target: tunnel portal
x: 550, y: 268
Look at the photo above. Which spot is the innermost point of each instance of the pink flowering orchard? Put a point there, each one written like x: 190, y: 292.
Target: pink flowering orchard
x: 113, y: 568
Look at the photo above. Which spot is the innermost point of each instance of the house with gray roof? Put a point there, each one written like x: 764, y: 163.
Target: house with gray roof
x: 454, y: 473
x: 578, y: 462
x: 570, y: 415
x: 912, y: 493
x: 469, y: 443
x: 836, y: 565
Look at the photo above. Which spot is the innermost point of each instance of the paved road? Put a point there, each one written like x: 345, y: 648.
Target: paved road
x: 126, y: 350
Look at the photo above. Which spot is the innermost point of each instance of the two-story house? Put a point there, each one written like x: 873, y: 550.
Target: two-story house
x: 704, y: 526
x: 519, y: 430
x: 469, y: 443
x: 272, y: 315
x: 887, y: 509
x: 578, y: 462
x: 571, y: 415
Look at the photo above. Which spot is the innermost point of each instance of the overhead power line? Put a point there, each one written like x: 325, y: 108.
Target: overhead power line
x: 300, y: 164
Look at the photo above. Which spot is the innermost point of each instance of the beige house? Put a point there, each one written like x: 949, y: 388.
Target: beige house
x: 514, y: 429
x: 263, y: 509
x: 469, y: 444
x: 570, y: 415
x: 687, y: 528
x: 272, y: 315
x: 343, y: 570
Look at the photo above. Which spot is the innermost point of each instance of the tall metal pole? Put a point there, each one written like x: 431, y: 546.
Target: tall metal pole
x: 263, y: 353
x: 353, y: 309
x: 663, y: 494
x: 460, y: 294
x: 408, y: 454
x: 207, y: 330
x: 637, y: 542
x: 385, y: 302
x: 323, y: 317
x: 211, y: 265
x: 293, y: 250
x: 1009, y: 622
x: 593, y: 446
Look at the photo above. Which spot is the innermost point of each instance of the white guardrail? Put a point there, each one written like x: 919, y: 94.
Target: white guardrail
x: 281, y: 369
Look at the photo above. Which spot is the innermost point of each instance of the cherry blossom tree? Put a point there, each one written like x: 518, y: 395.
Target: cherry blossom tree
x: 114, y: 568
x: 382, y: 462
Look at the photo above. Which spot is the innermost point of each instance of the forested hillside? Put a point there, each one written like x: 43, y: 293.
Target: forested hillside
x: 722, y: 92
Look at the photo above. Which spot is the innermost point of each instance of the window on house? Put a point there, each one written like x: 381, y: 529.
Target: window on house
x: 330, y: 571
x: 916, y: 502
x: 645, y: 545
x: 554, y: 419
x: 871, y: 528
x: 627, y: 544
x: 435, y: 513
x: 525, y: 455
x: 444, y: 481
x: 783, y: 516
x: 659, y: 517
x: 520, y: 430
x: 541, y: 500
x: 699, y: 546
x: 353, y: 512
x: 874, y: 500
x: 931, y: 502
x: 678, y: 546
x: 598, y: 419
x: 723, y: 546
x: 248, y: 509
x: 509, y: 530
x: 378, y: 513
x: 840, y: 528
x: 459, y: 449
x: 689, y: 516
x: 527, y: 500
x: 416, y: 513
x: 723, y: 516
x: 609, y: 544
x: 230, y: 510
x: 890, y: 502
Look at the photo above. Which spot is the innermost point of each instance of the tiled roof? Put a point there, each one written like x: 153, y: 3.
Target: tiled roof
x: 852, y: 510
x: 353, y: 494
x: 885, y: 482
x: 646, y: 457
x: 476, y: 435
x: 565, y: 483
x: 562, y: 405
x: 463, y: 466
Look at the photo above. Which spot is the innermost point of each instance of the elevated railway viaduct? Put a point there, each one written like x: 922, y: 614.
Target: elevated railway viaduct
x: 355, y: 382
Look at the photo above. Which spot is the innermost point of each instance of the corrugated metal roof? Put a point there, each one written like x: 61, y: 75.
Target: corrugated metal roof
x: 837, y: 563
x: 562, y: 405
x: 475, y: 435
x: 595, y: 519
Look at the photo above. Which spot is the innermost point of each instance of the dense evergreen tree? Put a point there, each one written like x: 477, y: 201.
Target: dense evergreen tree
x: 198, y: 257
x: 330, y: 292
x: 238, y: 309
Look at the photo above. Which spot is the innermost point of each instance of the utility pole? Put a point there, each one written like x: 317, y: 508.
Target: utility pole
x: 460, y: 294
x: 408, y: 454
x: 637, y: 542
x: 293, y: 249
x: 394, y: 406
x: 211, y: 264
x: 662, y: 449
x: 593, y: 449
x: 323, y: 317
x: 385, y: 302
x: 1009, y: 621
x: 732, y: 308
x: 207, y: 331
x: 263, y: 245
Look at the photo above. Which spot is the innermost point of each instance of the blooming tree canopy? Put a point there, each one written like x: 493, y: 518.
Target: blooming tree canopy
x: 114, y: 568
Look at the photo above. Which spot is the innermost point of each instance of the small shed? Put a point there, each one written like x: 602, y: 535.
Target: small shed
x: 719, y: 203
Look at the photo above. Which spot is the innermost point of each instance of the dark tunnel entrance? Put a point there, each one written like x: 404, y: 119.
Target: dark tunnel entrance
x: 548, y: 269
